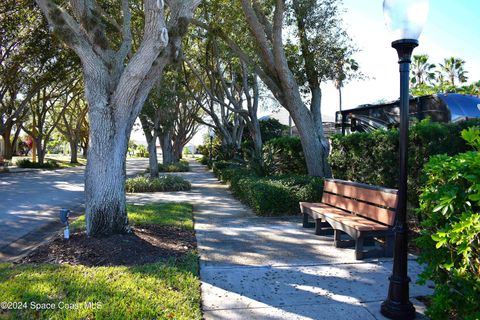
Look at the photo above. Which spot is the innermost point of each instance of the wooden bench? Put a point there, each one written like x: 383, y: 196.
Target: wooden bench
x: 362, y: 211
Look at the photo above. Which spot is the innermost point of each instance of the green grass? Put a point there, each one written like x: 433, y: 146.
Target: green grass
x: 62, y: 161
x: 164, y: 290
x: 172, y: 214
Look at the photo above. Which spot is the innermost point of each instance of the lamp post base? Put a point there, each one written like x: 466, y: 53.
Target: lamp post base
x: 393, y: 310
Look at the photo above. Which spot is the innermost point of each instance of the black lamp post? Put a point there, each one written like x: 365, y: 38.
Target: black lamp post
x: 405, y: 18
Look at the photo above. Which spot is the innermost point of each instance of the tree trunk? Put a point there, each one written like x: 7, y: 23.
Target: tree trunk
x: 152, y: 156
x: 309, y: 125
x: 85, y: 151
x: 310, y: 142
x: 257, y: 142
x: 8, y: 150
x: 40, y: 150
x: 340, y: 98
x: 105, y: 175
x: 177, y: 151
x: 116, y: 90
x: 152, y: 146
x: 167, y: 147
x: 15, y: 141
x: 73, y: 151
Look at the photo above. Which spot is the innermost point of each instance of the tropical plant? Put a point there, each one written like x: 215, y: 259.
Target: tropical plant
x: 453, y: 69
x: 345, y: 69
x: 450, y: 236
x: 422, y: 71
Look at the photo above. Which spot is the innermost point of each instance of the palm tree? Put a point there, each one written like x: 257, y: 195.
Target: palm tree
x: 345, y: 69
x: 422, y: 70
x: 453, y: 69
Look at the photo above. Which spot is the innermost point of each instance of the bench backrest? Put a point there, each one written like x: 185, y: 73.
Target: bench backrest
x: 372, y: 202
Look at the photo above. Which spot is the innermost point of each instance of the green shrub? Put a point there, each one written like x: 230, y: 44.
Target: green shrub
x: 274, y: 195
x: 162, y: 183
x: 284, y: 156
x: 26, y: 163
x: 181, y: 166
x: 277, y: 195
x: 206, y: 162
x: 141, y: 151
x: 373, y: 157
x: 450, y: 236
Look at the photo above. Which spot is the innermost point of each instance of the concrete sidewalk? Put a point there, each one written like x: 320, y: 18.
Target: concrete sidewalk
x: 271, y: 268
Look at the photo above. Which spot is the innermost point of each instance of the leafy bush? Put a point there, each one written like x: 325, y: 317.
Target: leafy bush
x: 373, y: 157
x: 219, y: 151
x: 26, y: 163
x: 141, y: 151
x: 284, y: 156
x: 162, y: 183
x: 275, y: 195
x: 231, y: 172
x: 270, y: 129
x: 181, y: 166
x: 450, y: 236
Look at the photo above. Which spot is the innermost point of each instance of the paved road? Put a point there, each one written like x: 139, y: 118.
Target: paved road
x: 30, y: 201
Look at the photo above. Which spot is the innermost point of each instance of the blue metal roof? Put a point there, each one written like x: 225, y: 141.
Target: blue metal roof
x: 461, y: 106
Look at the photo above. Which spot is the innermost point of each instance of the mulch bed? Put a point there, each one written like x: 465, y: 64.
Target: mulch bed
x: 145, y: 244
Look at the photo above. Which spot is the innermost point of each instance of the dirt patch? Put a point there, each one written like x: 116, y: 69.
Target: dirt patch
x: 145, y: 244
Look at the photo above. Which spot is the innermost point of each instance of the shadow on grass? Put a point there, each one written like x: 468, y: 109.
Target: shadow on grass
x: 164, y: 290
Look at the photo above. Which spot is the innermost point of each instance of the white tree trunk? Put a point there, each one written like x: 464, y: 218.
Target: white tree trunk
x: 105, y: 172
x: 165, y: 139
x: 152, y: 157
x: 116, y: 89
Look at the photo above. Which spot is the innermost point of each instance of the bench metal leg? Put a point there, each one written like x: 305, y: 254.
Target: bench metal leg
x: 359, y: 248
x: 306, y: 222
x: 322, y: 228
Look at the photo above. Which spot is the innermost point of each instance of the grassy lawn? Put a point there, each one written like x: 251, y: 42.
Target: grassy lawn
x: 164, y: 290
x: 62, y: 160
x: 171, y: 214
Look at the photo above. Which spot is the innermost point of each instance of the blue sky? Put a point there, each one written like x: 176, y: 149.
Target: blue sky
x: 452, y: 29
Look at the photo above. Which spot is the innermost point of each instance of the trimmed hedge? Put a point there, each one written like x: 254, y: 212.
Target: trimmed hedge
x: 26, y: 163
x: 181, y: 166
x: 450, y: 241
x: 269, y: 196
x: 373, y: 157
x: 160, y: 184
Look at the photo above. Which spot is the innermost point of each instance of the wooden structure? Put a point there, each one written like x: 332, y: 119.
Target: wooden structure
x: 362, y: 211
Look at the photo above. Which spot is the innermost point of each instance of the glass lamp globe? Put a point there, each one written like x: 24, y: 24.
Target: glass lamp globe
x: 211, y: 133
x: 405, y: 18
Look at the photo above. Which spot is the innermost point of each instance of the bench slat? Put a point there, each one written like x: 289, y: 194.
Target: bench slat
x: 378, y: 197
x: 356, y: 222
x: 360, y: 208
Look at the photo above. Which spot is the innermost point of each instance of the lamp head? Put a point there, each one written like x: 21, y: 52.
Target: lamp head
x: 405, y: 18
